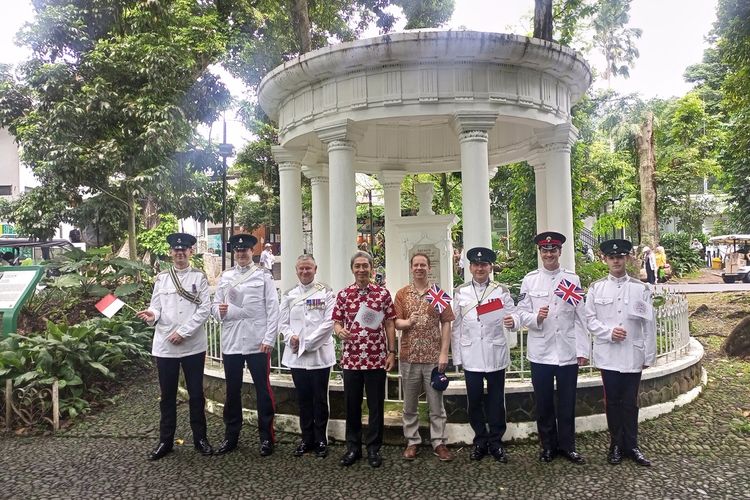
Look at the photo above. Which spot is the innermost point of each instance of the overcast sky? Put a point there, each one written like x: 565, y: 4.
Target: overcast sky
x: 673, y: 38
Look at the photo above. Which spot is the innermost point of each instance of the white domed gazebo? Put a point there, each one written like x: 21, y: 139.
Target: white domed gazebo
x: 407, y: 103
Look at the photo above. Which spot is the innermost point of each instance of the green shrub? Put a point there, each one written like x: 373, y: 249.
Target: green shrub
x: 82, y: 358
x: 590, y: 272
x: 680, y: 256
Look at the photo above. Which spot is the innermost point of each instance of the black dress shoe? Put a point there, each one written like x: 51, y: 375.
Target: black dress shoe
x: 160, y: 451
x: 350, y: 457
x: 546, y: 455
x: 615, y: 455
x: 266, y: 448
x: 226, y: 446
x: 639, y: 458
x: 499, y: 455
x: 374, y: 459
x: 322, y: 450
x: 572, y: 456
x: 303, y: 448
x: 478, y: 452
x: 204, y: 447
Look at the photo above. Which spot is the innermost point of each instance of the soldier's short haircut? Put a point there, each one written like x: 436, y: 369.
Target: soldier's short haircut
x: 359, y: 254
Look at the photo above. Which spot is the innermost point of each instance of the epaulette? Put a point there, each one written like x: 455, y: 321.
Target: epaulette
x: 499, y: 285
x: 166, y: 271
x: 201, y: 271
x: 568, y: 271
x: 324, y: 286
x: 462, y: 285
x: 289, y: 290
x: 636, y: 280
x: 532, y: 273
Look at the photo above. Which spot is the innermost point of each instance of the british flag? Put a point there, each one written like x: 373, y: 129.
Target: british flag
x: 438, y: 298
x: 569, y: 292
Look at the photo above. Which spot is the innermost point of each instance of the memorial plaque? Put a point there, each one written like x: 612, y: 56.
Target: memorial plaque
x: 12, y: 286
x: 434, y: 254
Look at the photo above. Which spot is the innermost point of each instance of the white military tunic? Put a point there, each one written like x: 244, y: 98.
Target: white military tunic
x: 610, y: 303
x: 480, y: 346
x: 173, y: 313
x: 562, y: 336
x: 253, y: 313
x: 306, y: 311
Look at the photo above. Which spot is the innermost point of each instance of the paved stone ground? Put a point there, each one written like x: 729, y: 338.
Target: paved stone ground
x: 699, y: 451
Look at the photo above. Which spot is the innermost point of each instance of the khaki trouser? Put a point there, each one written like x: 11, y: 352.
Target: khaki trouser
x: 414, y: 378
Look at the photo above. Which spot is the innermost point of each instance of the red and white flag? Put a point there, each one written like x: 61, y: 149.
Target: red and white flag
x: 491, y: 311
x: 109, y: 305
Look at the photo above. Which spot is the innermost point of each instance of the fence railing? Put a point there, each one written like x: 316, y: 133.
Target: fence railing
x: 672, y: 341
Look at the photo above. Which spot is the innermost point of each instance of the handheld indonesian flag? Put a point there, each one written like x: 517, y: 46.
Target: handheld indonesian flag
x: 491, y: 311
x: 569, y: 292
x: 109, y: 305
x: 438, y: 298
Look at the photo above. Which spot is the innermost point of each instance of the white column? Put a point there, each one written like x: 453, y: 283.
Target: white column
x: 290, y: 203
x: 321, y: 235
x: 472, y: 130
x: 342, y: 211
x: 554, y: 153
x: 391, y: 182
x: 540, y: 192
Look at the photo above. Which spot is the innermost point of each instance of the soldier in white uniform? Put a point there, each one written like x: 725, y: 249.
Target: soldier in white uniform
x: 179, y: 307
x: 621, y: 320
x: 551, y: 307
x: 307, y: 326
x: 247, y: 304
x: 479, y: 343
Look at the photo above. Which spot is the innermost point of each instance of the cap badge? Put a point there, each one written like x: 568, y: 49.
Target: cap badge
x: 179, y: 240
x: 549, y: 238
x: 479, y: 254
x: 614, y: 247
x: 239, y: 240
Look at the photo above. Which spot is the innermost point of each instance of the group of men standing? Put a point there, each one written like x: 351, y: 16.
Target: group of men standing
x: 477, y: 324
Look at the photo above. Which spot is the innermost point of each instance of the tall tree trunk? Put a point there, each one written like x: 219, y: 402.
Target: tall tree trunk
x: 543, y: 19
x: 301, y: 19
x: 646, y: 160
x: 132, y: 249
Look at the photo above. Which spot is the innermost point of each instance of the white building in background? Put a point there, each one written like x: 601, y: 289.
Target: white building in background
x: 10, y: 166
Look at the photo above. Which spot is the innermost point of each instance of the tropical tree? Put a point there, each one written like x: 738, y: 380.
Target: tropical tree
x: 112, y: 90
x: 614, y: 39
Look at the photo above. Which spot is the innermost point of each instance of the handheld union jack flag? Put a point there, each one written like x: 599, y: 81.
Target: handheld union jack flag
x: 569, y: 292
x: 437, y: 298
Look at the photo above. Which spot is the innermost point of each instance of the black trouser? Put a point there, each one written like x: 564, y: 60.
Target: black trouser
x: 486, y: 411
x: 621, y: 404
x: 259, y: 365
x: 356, y: 382
x: 169, y: 374
x: 557, y: 429
x: 312, y: 395
x: 650, y: 274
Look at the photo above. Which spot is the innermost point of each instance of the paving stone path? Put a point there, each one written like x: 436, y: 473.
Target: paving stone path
x: 699, y: 451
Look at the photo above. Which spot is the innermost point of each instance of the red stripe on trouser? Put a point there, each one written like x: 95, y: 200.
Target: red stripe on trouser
x: 270, y: 393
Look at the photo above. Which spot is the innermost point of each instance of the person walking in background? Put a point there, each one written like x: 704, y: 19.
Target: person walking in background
x: 266, y: 258
x: 660, y: 257
x: 649, y: 263
x: 180, y: 306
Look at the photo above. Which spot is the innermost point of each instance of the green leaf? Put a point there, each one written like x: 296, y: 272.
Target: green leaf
x: 127, y: 289
x: 98, y: 291
x: 98, y: 366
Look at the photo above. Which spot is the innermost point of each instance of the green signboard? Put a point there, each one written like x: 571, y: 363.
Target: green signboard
x: 17, y: 285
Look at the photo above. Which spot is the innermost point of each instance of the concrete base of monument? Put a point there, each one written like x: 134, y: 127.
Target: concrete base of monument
x: 663, y: 388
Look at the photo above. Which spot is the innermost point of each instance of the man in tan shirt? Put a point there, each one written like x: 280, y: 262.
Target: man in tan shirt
x: 424, y: 315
